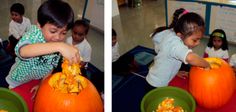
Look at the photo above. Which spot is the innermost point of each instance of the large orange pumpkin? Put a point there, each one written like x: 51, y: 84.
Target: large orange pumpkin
x: 63, y: 92
x: 212, y: 88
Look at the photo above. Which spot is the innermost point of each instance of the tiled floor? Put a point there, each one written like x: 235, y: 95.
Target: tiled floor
x: 134, y: 25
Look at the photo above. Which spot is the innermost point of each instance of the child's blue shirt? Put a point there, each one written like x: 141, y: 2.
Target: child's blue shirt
x: 171, y: 52
x: 25, y: 70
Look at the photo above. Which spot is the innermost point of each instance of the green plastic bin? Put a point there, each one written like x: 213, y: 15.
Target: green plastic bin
x: 11, y: 101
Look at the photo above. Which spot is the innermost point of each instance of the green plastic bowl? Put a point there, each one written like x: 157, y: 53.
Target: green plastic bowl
x: 181, y: 98
x: 11, y: 101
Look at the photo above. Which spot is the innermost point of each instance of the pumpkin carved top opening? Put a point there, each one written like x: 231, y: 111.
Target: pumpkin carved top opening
x: 214, y: 62
x: 69, y: 80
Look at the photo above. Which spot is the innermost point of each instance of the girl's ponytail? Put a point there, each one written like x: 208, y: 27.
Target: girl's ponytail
x: 176, y: 15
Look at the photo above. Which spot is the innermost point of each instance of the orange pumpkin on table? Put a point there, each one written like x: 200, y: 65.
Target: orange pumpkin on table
x: 67, y: 91
x: 212, y: 88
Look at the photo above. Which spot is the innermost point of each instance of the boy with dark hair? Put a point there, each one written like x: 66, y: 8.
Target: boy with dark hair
x: 38, y: 50
x: 18, y: 26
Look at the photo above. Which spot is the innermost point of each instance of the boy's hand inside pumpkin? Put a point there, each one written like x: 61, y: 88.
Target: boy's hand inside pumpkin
x: 71, y: 53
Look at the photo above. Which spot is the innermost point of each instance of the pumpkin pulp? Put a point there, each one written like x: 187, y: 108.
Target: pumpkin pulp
x: 69, y: 80
x: 214, y: 62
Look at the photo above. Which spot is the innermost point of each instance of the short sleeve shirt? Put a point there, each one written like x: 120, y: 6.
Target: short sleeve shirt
x: 84, y: 49
x: 232, y: 60
x: 220, y: 53
x: 115, y: 52
x: 171, y: 52
x: 18, y: 29
x: 28, y: 69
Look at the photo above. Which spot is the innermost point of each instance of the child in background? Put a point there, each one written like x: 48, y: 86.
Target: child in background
x: 115, y: 47
x: 232, y: 62
x: 38, y: 50
x: 174, y: 47
x: 78, y: 39
x: 18, y: 26
x: 217, y: 45
x: 121, y: 65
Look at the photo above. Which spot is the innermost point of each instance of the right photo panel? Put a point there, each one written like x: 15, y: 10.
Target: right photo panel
x: 173, y: 55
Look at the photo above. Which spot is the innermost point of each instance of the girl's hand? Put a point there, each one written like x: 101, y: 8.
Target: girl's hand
x: 34, y: 90
x: 71, y: 53
x: 182, y: 74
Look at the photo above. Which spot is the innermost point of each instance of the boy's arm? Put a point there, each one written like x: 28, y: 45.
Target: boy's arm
x: 32, y: 50
x: 196, y: 60
x: 38, y: 49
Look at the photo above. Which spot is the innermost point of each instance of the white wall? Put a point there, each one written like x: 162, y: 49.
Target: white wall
x: 95, y: 13
x: 115, y: 9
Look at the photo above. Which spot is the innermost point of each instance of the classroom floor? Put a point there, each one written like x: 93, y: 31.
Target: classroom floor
x: 134, y: 25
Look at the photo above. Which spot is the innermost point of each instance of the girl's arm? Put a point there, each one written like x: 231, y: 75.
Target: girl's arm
x: 195, y: 60
x: 68, y: 51
x: 34, y: 89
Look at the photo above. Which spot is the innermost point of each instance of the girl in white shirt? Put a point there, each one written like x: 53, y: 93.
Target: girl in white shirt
x: 78, y: 39
x: 175, y: 44
x: 115, y: 47
x: 217, y: 45
x: 232, y: 62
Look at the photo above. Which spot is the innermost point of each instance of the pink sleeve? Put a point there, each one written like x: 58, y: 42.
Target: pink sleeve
x: 226, y: 59
x: 205, y: 55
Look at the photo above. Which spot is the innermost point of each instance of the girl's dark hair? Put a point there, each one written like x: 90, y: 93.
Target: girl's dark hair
x: 222, y: 36
x: 56, y: 12
x: 83, y: 23
x: 176, y: 15
x: 113, y: 32
x: 187, y: 24
x: 17, y: 7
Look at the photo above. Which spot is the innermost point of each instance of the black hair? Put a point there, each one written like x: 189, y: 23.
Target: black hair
x: 176, y: 15
x: 56, y: 12
x: 17, y: 7
x: 224, y: 39
x: 187, y: 24
x: 113, y: 33
x: 82, y: 22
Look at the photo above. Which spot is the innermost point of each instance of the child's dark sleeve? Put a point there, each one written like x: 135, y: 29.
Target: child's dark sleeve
x: 205, y: 55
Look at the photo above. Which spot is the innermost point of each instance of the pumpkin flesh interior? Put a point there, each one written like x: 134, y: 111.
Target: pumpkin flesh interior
x: 214, y: 62
x: 69, y: 80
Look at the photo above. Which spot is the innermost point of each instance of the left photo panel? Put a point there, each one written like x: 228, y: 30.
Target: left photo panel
x: 52, y: 56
